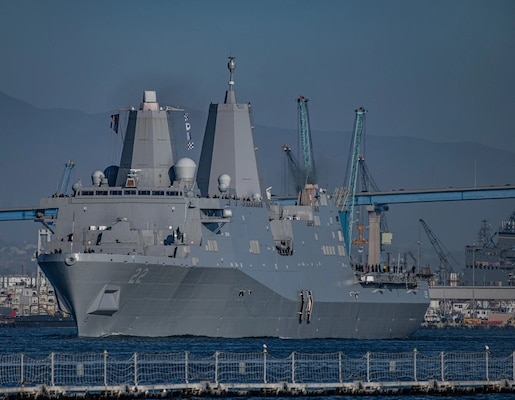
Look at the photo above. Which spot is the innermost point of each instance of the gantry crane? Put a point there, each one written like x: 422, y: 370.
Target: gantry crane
x: 369, y: 185
x: 303, y: 172
x: 293, y: 170
x: 306, y: 146
x: 347, y: 213
x: 446, y: 258
x: 64, y: 183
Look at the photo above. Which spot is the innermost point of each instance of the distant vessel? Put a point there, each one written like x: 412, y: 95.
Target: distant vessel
x: 488, y: 262
x: 155, y: 247
x: 44, y: 321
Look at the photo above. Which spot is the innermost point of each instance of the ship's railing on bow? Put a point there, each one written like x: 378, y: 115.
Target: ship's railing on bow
x: 66, y: 373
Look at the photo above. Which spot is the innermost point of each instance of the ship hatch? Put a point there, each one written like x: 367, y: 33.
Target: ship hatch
x: 107, y: 301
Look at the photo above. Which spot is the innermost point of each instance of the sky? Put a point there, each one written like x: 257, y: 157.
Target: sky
x: 439, y: 70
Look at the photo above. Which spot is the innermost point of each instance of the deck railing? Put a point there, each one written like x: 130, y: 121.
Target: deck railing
x: 87, y: 372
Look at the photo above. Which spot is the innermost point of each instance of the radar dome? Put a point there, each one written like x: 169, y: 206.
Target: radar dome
x: 77, y: 186
x: 185, y: 169
x: 224, y: 181
x: 97, y: 177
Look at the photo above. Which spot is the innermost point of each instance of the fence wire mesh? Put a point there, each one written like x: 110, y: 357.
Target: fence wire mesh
x: 95, y: 370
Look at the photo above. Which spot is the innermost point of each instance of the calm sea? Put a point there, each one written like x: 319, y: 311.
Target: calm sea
x: 40, y: 342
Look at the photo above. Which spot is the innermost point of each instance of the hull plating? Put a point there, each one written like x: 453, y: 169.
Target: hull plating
x: 144, y: 299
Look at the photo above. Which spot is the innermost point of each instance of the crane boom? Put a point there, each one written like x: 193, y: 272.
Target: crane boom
x: 443, y: 254
x: 347, y: 213
x: 306, y: 146
x: 64, y: 183
x: 294, y: 171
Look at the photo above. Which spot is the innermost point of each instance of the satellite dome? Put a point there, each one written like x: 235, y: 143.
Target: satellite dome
x: 185, y: 169
x: 224, y: 181
x: 77, y: 186
x: 97, y: 177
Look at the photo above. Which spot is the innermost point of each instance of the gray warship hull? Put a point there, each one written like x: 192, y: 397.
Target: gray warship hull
x: 156, y: 248
x: 203, y: 301
x: 233, y: 290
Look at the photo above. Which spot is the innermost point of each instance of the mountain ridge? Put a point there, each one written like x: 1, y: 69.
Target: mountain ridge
x: 34, y: 139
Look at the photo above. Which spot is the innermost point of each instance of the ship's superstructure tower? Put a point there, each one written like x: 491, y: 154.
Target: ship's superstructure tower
x: 147, y: 153
x: 228, y: 157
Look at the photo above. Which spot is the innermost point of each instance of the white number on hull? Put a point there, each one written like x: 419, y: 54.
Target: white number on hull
x: 138, y: 276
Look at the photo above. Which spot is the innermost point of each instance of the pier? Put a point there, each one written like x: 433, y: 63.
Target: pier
x: 225, y: 374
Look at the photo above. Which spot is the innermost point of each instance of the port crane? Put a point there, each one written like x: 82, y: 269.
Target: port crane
x: 349, y: 203
x: 293, y: 170
x: 306, y: 145
x: 446, y: 258
x: 64, y: 183
x: 303, y: 172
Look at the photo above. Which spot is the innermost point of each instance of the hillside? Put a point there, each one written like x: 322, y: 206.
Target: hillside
x: 36, y: 144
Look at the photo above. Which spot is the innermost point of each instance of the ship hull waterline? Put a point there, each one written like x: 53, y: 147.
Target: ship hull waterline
x: 109, y: 298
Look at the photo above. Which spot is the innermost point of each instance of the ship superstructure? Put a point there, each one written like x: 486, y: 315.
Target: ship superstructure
x: 157, y: 247
x: 491, y: 262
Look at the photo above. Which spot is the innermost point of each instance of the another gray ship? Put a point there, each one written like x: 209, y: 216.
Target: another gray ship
x: 491, y: 262
x: 159, y: 247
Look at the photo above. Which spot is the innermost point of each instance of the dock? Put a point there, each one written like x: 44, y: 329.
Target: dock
x: 224, y: 374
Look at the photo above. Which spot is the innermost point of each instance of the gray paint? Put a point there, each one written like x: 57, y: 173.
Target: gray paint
x: 162, y: 260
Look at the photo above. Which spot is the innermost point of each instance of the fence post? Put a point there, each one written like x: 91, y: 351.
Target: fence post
x: 216, y: 367
x: 368, y: 366
x: 22, y: 379
x: 264, y: 364
x: 340, y: 366
x: 293, y: 367
x: 105, y: 367
x: 52, y: 369
x: 486, y: 359
x: 186, y: 367
x: 415, y: 364
x: 442, y: 366
x: 135, y: 369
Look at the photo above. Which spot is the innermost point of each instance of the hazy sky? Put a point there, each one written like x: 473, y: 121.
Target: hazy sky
x: 441, y: 70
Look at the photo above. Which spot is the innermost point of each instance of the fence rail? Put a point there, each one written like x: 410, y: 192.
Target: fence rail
x: 64, y: 373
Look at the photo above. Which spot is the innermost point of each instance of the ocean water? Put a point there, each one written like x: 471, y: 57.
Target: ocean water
x: 40, y: 342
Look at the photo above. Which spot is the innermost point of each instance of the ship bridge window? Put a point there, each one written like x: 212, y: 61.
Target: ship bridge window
x: 158, y: 192
x: 172, y: 193
x: 144, y: 192
x: 87, y: 193
x: 129, y: 192
x: 101, y: 192
x: 115, y: 192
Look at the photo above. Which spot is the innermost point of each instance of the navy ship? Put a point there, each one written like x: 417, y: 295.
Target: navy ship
x: 491, y: 261
x: 160, y: 246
